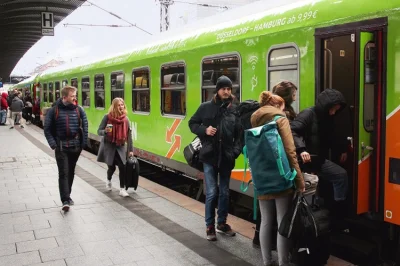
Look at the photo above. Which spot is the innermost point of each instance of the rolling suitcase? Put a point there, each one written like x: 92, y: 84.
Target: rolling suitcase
x: 132, y: 170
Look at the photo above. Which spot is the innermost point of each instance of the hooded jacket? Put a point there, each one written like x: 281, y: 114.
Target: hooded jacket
x: 17, y: 105
x: 64, y: 131
x: 4, y: 104
x: 264, y: 115
x: 313, y: 129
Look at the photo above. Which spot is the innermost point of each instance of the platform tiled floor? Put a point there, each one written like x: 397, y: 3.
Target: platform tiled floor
x: 102, y: 228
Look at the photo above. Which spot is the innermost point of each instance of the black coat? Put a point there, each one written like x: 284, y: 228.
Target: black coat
x: 223, y: 148
x: 313, y: 128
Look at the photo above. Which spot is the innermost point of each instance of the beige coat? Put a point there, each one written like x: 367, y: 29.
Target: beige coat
x: 264, y: 115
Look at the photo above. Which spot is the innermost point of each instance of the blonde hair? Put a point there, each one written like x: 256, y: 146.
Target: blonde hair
x: 114, y: 110
x: 268, y: 98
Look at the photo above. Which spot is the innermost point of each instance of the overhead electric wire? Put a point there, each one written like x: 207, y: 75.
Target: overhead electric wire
x: 198, y: 4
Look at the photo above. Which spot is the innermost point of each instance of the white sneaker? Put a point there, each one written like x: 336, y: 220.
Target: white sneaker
x: 108, y: 185
x: 123, y: 193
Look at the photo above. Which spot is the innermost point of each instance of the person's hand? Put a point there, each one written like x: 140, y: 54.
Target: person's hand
x: 211, y: 131
x: 305, y: 156
x: 107, y: 129
x: 343, y: 157
x: 130, y: 154
x: 301, y: 189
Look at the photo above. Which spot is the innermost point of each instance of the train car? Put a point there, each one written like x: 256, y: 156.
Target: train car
x: 348, y: 45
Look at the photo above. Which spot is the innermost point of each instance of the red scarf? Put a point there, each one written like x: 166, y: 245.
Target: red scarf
x: 119, y: 132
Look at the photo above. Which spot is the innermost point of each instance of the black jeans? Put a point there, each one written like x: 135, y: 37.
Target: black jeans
x: 121, y: 168
x: 66, y: 162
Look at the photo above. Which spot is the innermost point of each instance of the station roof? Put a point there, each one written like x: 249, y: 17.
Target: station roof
x: 20, y: 26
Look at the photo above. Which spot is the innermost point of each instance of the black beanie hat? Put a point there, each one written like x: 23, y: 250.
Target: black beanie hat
x: 222, y: 82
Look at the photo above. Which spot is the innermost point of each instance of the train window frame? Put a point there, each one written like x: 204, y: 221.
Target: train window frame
x: 117, y: 73
x: 285, y: 67
x: 142, y: 89
x: 55, y: 89
x: 85, y: 90
x: 369, y: 129
x: 76, y: 87
x: 97, y: 90
x: 178, y: 62
x: 48, y: 89
x: 43, y: 93
x: 217, y: 56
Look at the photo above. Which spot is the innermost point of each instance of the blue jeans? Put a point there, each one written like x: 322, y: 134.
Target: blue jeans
x: 211, y: 174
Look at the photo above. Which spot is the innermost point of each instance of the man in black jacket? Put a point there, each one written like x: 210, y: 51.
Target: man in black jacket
x: 216, y: 125
x: 66, y: 131
x: 314, y: 133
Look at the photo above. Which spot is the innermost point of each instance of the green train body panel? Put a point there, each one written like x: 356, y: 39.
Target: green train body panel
x: 248, y: 37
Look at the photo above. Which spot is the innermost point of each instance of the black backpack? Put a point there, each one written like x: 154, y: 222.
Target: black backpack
x: 244, y: 111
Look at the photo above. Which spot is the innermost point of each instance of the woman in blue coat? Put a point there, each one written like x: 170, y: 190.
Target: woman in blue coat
x: 116, y: 132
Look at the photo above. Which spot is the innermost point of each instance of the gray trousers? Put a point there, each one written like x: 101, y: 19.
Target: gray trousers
x: 267, y: 224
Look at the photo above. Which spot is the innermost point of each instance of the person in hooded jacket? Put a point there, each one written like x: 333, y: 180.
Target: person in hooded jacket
x: 3, y: 109
x: 314, y: 133
x: 216, y: 125
x: 66, y: 131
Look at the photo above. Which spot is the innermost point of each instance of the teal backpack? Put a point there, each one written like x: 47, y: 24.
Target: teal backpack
x: 270, y: 168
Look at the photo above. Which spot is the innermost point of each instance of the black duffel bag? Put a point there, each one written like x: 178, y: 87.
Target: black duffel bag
x: 191, y: 153
x: 132, y: 171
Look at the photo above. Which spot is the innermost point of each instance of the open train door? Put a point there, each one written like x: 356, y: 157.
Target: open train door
x: 350, y: 58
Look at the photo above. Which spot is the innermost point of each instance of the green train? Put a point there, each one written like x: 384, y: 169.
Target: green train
x: 349, y: 45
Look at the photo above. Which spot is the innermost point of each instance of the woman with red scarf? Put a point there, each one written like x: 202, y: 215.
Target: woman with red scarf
x: 116, y: 132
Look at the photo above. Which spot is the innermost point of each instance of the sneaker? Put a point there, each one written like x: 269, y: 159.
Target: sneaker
x: 225, y: 229
x: 123, y: 193
x: 256, y: 240
x: 211, y: 233
x: 21, y: 126
x: 65, y: 206
x: 11, y: 127
x: 71, y: 202
x: 108, y: 185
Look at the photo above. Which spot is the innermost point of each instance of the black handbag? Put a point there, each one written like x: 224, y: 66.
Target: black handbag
x: 191, y: 153
x: 132, y: 170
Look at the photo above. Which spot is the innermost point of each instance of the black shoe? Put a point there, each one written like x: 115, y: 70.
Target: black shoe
x: 65, y: 206
x: 256, y: 240
x: 211, y: 236
x: 71, y: 202
x: 225, y: 229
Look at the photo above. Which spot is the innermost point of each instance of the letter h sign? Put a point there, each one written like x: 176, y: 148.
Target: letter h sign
x: 47, y: 20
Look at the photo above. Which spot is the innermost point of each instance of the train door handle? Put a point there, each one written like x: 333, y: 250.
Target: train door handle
x: 364, y: 147
x: 351, y: 141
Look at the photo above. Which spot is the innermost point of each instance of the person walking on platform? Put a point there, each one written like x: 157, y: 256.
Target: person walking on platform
x: 66, y: 131
x: 217, y: 127
x: 3, y: 109
x: 116, y: 132
x: 16, y: 109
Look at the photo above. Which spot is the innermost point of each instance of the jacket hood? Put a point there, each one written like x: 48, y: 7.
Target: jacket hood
x: 327, y: 99
x: 16, y: 98
x: 265, y: 114
x: 68, y: 106
x: 4, y: 95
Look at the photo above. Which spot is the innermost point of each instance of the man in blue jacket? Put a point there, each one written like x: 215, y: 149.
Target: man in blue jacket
x: 66, y: 131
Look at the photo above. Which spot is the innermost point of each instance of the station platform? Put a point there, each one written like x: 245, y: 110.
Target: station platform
x: 153, y: 226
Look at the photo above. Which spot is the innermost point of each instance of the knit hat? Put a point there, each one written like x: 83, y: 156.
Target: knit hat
x: 222, y: 82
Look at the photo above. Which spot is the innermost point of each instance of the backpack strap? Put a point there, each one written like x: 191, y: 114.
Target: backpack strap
x: 245, y: 186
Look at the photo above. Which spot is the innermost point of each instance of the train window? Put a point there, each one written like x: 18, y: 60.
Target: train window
x: 99, y: 91
x: 57, y: 85
x: 117, y: 85
x: 74, y: 83
x: 369, y: 85
x: 85, y: 91
x: 45, y: 91
x: 283, y: 65
x: 213, y: 68
x: 141, y: 90
x: 51, y: 92
x: 64, y: 83
x: 173, y: 89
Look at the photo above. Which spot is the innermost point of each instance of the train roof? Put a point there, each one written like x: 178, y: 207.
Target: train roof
x: 241, y: 23
x: 26, y: 81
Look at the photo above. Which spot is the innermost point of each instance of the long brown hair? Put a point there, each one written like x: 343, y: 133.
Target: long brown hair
x: 114, y: 110
x: 267, y: 98
x: 286, y: 89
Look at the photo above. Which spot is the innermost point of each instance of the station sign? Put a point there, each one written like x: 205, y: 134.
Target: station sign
x: 47, y: 23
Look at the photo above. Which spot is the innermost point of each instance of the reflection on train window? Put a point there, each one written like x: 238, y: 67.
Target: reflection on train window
x: 64, y: 83
x: 117, y: 85
x: 45, y: 91
x: 99, y: 92
x: 57, y: 85
x: 141, y: 90
x: 213, y: 68
x: 51, y: 92
x: 74, y: 83
x: 173, y: 89
x: 283, y: 65
x: 369, y: 85
x: 85, y: 91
